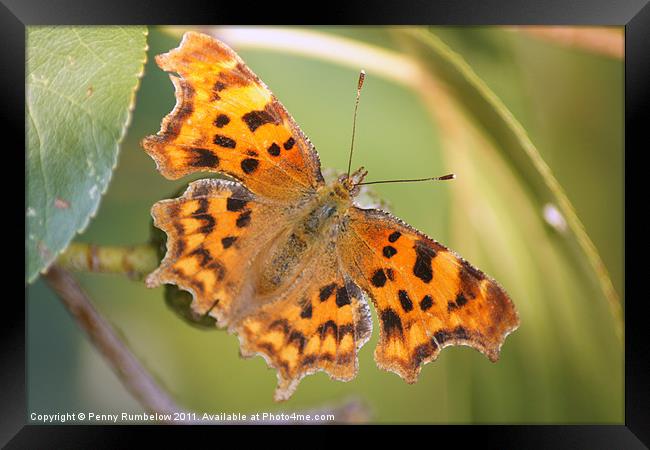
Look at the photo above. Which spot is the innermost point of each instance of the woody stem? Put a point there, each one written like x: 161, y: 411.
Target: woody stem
x: 131, y: 373
x: 135, y: 261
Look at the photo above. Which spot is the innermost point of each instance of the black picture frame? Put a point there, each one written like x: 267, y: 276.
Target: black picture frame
x: 15, y: 15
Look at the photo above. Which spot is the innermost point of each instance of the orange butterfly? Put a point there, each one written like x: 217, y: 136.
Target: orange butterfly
x: 286, y: 260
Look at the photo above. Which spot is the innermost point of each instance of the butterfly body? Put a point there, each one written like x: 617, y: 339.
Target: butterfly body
x: 289, y: 262
x: 314, y: 224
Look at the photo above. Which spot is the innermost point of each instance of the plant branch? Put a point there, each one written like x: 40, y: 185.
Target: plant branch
x: 133, y: 376
x: 135, y: 261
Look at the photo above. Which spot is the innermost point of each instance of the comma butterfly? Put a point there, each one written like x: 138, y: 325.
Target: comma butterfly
x: 286, y: 260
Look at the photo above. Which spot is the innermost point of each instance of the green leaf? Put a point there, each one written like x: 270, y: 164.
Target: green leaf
x: 81, y: 84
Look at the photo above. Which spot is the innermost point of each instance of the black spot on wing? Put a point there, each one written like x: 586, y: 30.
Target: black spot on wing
x: 224, y: 141
x: 204, y: 256
x: 426, y: 303
x: 288, y: 145
x: 218, y: 87
x: 329, y: 326
x: 202, y: 157
x: 235, y: 204
x: 306, y: 311
x: 344, y: 329
x: 249, y: 165
x: 391, y: 322
x: 389, y: 251
x: 394, y: 236
x: 342, y: 297
x: 221, y: 121
x: 203, y: 206
x: 298, y: 338
x: 422, y: 267
x: 256, y: 119
x: 218, y: 269
x: 404, y: 299
x: 326, y: 291
x: 378, y: 278
x: 274, y: 149
x: 180, y: 244
x: 459, y: 302
x: 228, y: 241
x: 244, y: 219
x: 208, y: 225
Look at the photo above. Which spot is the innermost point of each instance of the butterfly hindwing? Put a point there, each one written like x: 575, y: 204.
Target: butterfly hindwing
x: 213, y: 231
x: 318, y: 325
x: 427, y: 297
x: 226, y: 120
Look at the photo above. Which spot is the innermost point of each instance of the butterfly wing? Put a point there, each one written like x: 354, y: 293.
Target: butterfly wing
x: 226, y: 120
x: 213, y: 231
x: 318, y: 325
x: 427, y: 297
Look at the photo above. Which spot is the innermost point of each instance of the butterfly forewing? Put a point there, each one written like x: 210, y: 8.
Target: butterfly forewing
x: 226, y: 120
x: 426, y: 296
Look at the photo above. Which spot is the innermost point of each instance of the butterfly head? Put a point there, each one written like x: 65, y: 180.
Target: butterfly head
x: 351, y: 183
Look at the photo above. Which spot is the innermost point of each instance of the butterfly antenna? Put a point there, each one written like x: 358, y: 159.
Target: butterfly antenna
x: 362, y: 76
x: 450, y: 176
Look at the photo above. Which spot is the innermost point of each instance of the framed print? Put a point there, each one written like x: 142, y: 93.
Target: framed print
x: 414, y: 217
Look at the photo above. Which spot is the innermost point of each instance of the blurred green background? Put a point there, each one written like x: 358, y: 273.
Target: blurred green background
x: 563, y: 365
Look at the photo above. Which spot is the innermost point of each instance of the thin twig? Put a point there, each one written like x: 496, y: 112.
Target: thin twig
x: 128, y: 369
x: 135, y: 261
